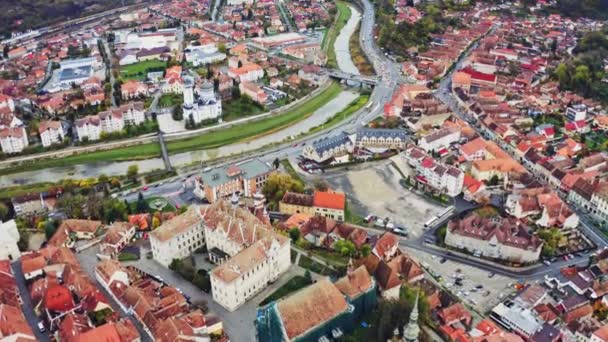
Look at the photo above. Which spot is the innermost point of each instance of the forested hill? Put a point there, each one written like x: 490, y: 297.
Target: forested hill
x: 21, y: 15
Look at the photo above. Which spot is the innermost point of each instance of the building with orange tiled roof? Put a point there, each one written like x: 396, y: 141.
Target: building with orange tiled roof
x: 319, y: 310
x: 329, y: 204
x: 116, y: 238
x: 13, y: 325
x: 179, y: 237
x: 249, y: 252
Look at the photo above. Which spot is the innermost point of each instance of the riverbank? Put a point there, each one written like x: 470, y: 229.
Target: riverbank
x: 358, y: 57
x: 331, y: 121
x: 210, y: 140
x: 342, y: 18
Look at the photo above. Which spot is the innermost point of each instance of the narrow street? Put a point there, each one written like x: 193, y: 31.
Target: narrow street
x: 109, y: 70
x: 28, y: 310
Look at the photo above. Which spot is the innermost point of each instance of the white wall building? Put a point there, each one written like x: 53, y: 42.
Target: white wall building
x: 443, y: 178
x: 51, y: 132
x: 88, y: 128
x: 178, y: 237
x: 439, y: 139
x: 13, y: 140
x: 203, y: 54
x: 328, y: 147
x: 9, y: 236
x: 250, y: 253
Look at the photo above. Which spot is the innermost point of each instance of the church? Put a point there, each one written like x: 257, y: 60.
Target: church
x: 202, y: 105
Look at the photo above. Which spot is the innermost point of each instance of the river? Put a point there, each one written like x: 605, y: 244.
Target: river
x: 327, y: 111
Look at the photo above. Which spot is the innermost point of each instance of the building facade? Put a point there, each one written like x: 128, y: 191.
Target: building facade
x: 178, y: 237
x: 13, y: 140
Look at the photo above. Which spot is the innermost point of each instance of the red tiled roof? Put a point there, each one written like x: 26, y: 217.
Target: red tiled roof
x: 331, y: 200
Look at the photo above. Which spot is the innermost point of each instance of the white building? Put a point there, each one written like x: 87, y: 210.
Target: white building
x: 239, y: 2
x: 88, y: 128
x: 443, y: 178
x: 203, y: 107
x: 178, y: 237
x: 9, y: 236
x: 576, y: 112
x: 328, y: 147
x: 51, y: 132
x: 439, y: 139
x: 13, y: 140
x: 203, y: 54
x: 250, y: 254
x: 116, y: 238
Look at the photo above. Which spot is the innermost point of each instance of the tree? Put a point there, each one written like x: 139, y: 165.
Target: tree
x: 103, y: 178
x: 49, y: 229
x: 320, y: 184
x: 132, y: 172
x: 494, y: 180
x: 366, y: 250
x: 345, y: 248
x: 276, y: 163
x: 114, y: 210
x: 4, y: 211
x: 277, y: 185
x: 178, y: 113
x: 294, y: 234
x: 142, y: 206
x: 155, y: 222
x: 72, y: 205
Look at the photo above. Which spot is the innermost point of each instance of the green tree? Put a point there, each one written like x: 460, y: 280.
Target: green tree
x: 294, y: 234
x: 320, y: 184
x: 114, y: 210
x: 366, y: 250
x: 142, y: 206
x: 72, y: 205
x: 345, y: 248
x: 277, y: 185
x: 132, y: 172
x: 4, y: 211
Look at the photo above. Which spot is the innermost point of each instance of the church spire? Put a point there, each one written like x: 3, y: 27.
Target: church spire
x: 412, y: 330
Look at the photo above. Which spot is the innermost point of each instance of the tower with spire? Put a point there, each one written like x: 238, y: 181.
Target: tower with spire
x: 412, y: 330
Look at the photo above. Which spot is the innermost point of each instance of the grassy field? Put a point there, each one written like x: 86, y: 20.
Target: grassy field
x: 20, y: 190
x: 313, y: 266
x: 344, y: 114
x: 330, y: 39
x: 138, y: 71
x: 170, y: 100
x: 240, y: 108
x: 208, y: 140
x: 293, y: 285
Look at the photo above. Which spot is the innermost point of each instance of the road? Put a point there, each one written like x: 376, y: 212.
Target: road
x: 28, y: 309
x: 109, y: 69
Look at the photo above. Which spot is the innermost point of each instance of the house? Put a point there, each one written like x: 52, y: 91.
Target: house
x: 294, y: 203
x: 329, y: 204
x: 246, y: 178
x: 312, y: 74
x: 9, y: 236
x: 455, y: 314
x: 116, y: 238
x: 328, y: 147
x: 439, y: 139
x: 51, y: 132
x: 179, y: 237
x: 521, y: 321
x: 88, y: 128
x: 13, y: 140
x: 381, y: 138
x: 541, y: 201
x: 13, y: 325
x: 133, y: 89
x: 439, y: 177
x: 172, y: 82
x: 250, y: 72
x: 253, y: 91
x: 500, y: 238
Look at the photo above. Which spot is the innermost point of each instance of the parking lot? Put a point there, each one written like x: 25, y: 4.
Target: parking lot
x: 373, y: 188
x: 477, y: 289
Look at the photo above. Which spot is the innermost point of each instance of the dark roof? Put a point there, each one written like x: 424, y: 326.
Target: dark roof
x: 547, y: 333
x: 328, y: 143
x: 297, y: 199
x: 381, y: 133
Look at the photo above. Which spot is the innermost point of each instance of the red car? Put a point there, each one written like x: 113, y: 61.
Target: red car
x: 145, y: 188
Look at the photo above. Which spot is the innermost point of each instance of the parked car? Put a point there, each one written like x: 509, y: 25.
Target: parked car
x: 41, y: 326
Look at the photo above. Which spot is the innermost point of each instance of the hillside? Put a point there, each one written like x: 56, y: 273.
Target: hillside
x: 21, y: 15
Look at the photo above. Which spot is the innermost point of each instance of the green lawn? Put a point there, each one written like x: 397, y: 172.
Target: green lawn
x: 170, y: 100
x: 138, y: 71
x: 331, y: 257
x: 343, y: 16
x: 293, y: 285
x: 168, y: 208
x: 291, y: 171
x: 208, y: 140
x: 125, y: 256
x: 20, y: 190
x: 313, y: 266
x: 239, y: 108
